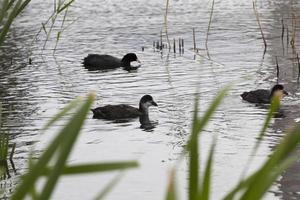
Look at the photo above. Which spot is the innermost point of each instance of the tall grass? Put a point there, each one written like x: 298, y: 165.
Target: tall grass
x: 61, y: 7
x: 166, y: 24
x: 5, y: 155
x: 259, y: 25
x: 252, y: 187
x: 208, y: 27
x: 52, y: 164
x: 9, y: 10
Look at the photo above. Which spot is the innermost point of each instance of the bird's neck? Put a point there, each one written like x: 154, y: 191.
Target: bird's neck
x: 144, y: 118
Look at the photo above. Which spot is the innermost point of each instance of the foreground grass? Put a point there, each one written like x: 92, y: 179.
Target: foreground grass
x: 252, y: 187
x: 52, y: 164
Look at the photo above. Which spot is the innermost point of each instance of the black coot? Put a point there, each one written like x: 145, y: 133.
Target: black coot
x: 123, y: 111
x: 264, y: 96
x: 102, y: 62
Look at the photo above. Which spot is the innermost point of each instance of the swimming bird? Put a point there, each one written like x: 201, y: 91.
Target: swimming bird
x: 123, y: 111
x: 100, y: 62
x: 264, y: 96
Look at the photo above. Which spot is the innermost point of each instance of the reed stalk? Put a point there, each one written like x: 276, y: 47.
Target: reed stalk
x: 259, y: 25
x: 194, y: 40
x: 166, y: 23
x: 208, y: 27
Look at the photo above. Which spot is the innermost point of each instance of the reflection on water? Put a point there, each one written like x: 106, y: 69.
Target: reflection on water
x: 31, y: 94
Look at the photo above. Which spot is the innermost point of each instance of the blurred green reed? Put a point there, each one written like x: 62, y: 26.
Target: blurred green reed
x: 4, y: 150
x: 52, y: 164
x: 248, y: 188
x: 9, y: 10
x: 251, y: 187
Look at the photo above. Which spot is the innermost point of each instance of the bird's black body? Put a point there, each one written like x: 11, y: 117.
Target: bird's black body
x: 257, y: 96
x: 104, y: 62
x: 112, y: 112
x: 262, y: 96
x: 123, y: 111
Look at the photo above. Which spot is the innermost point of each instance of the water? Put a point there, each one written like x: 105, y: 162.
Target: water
x: 32, y: 94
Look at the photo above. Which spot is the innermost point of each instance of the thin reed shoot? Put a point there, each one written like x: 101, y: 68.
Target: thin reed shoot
x: 259, y: 25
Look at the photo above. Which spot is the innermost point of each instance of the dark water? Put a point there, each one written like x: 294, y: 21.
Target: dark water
x: 32, y: 94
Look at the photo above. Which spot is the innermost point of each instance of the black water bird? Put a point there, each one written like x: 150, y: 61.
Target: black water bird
x: 263, y: 96
x: 123, y: 111
x: 104, y: 62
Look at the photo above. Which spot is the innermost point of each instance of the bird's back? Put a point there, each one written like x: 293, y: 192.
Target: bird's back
x: 96, y: 61
x: 257, y: 96
x: 112, y: 112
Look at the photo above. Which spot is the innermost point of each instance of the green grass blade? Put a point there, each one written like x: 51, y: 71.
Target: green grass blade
x: 97, y: 167
x: 284, y: 149
x: 3, y: 11
x: 61, y: 30
x: 37, y: 169
x: 263, y: 184
x: 205, y: 191
x: 108, y: 187
x: 208, y: 114
x: 192, y: 146
x: 9, y: 21
x: 255, y: 182
x: 21, y: 8
x: 70, y: 132
x: 53, y: 19
x: 193, y: 156
x: 44, y: 28
x: 273, y: 108
x: 3, y: 147
x: 73, y: 104
x: 65, y: 6
x: 33, y: 194
x: 0, y: 116
x: 11, y: 3
x: 240, y: 187
x: 171, y: 192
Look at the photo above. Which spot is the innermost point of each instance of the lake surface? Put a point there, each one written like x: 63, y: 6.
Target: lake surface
x: 32, y: 94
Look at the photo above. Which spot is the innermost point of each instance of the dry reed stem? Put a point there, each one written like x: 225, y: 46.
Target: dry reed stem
x: 174, y: 45
x: 287, y: 36
x: 166, y: 23
x: 258, y: 22
x: 194, y: 39
x: 282, y: 33
x: 277, y: 68
x: 293, y: 40
x: 298, y: 66
x: 161, y: 42
x: 208, y: 27
x: 179, y: 45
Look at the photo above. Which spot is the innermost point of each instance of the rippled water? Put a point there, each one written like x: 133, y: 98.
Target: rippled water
x: 32, y: 94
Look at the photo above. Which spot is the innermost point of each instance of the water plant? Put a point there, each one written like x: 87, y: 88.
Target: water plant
x: 252, y: 187
x: 208, y: 27
x: 4, y: 151
x: 52, y: 164
x: 9, y: 10
x: 259, y: 25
